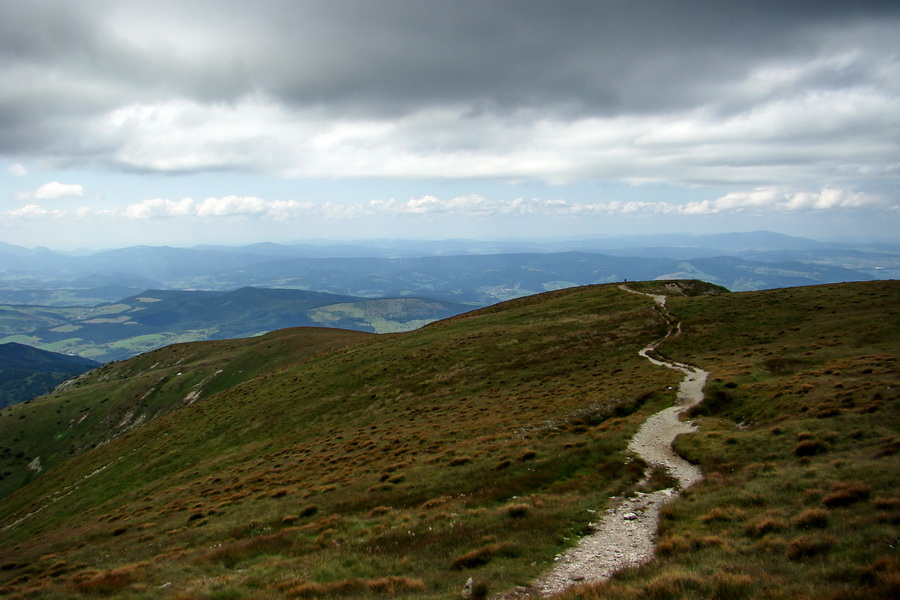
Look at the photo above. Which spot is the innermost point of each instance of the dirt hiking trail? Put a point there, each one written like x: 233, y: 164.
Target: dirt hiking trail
x: 624, y: 537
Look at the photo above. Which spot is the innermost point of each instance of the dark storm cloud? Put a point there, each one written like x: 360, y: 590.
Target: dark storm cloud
x: 67, y: 64
x: 593, y: 57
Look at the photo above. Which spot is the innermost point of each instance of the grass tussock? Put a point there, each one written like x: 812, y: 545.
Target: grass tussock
x: 811, y: 518
x: 377, y: 587
x: 517, y: 510
x: 807, y: 546
x: 844, y: 494
x: 112, y: 581
x: 483, y: 555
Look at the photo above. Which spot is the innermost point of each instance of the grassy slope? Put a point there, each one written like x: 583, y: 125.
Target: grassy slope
x: 404, y: 464
x: 799, y: 440
x: 119, y: 397
x: 483, y: 438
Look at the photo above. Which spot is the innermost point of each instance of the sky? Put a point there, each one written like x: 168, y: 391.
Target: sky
x: 193, y: 122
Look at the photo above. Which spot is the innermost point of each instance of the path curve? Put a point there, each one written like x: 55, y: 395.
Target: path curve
x: 625, y: 535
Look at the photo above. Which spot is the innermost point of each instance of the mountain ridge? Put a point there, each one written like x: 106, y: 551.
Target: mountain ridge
x: 482, y: 445
x: 305, y: 266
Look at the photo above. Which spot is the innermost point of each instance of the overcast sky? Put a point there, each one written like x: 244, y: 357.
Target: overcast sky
x: 223, y: 121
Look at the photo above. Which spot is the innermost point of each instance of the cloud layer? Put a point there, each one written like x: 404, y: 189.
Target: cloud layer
x: 757, y: 202
x: 689, y: 93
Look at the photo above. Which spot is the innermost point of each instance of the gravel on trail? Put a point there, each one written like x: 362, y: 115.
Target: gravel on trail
x: 625, y: 536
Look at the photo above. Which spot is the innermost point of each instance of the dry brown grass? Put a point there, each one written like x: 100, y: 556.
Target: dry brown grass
x: 847, y: 493
x: 483, y: 555
x: 379, y: 587
x: 107, y: 582
x: 807, y: 546
x: 811, y: 518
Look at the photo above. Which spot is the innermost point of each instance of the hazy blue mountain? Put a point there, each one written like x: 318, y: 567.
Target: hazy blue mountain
x: 484, y: 279
x: 458, y: 270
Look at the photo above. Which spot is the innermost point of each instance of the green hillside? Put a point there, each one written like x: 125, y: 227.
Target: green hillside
x: 119, y: 397
x: 482, y: 446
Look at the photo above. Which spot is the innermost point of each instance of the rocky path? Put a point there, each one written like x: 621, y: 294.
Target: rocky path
x: 624, y: 537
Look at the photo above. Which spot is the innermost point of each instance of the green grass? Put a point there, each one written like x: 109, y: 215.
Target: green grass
x: 799, y: 442
x: 404, y: 464
x: 119, y: 397
x: 410, y: 446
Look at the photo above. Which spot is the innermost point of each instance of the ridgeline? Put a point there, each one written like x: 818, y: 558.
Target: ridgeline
x: 327, y: 463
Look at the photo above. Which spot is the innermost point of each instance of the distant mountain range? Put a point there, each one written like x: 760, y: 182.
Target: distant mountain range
x: 463, y: 271
x: 27, y: 372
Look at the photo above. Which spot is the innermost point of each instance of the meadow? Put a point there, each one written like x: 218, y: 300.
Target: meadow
x: 798, y: 437
x: 484, y: 445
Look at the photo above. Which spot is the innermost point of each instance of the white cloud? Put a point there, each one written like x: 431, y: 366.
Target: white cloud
x: 17, y: 170
x: 773, y: 199
x: 30, y: 212
x: 54, y: 190
x: 226, y: 206
x: 156, y: 208
x: 758, y: 202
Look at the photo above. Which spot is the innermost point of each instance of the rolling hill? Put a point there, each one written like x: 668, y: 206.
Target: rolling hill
x: 155, y: 318
x: 479, y: 446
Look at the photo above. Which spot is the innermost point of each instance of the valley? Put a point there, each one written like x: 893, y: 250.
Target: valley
x: 156, y: 318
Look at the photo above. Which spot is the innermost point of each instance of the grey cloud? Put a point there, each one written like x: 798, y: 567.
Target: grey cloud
x: 598, y: 57
x: 523, y: 59
x: 396, y: 56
